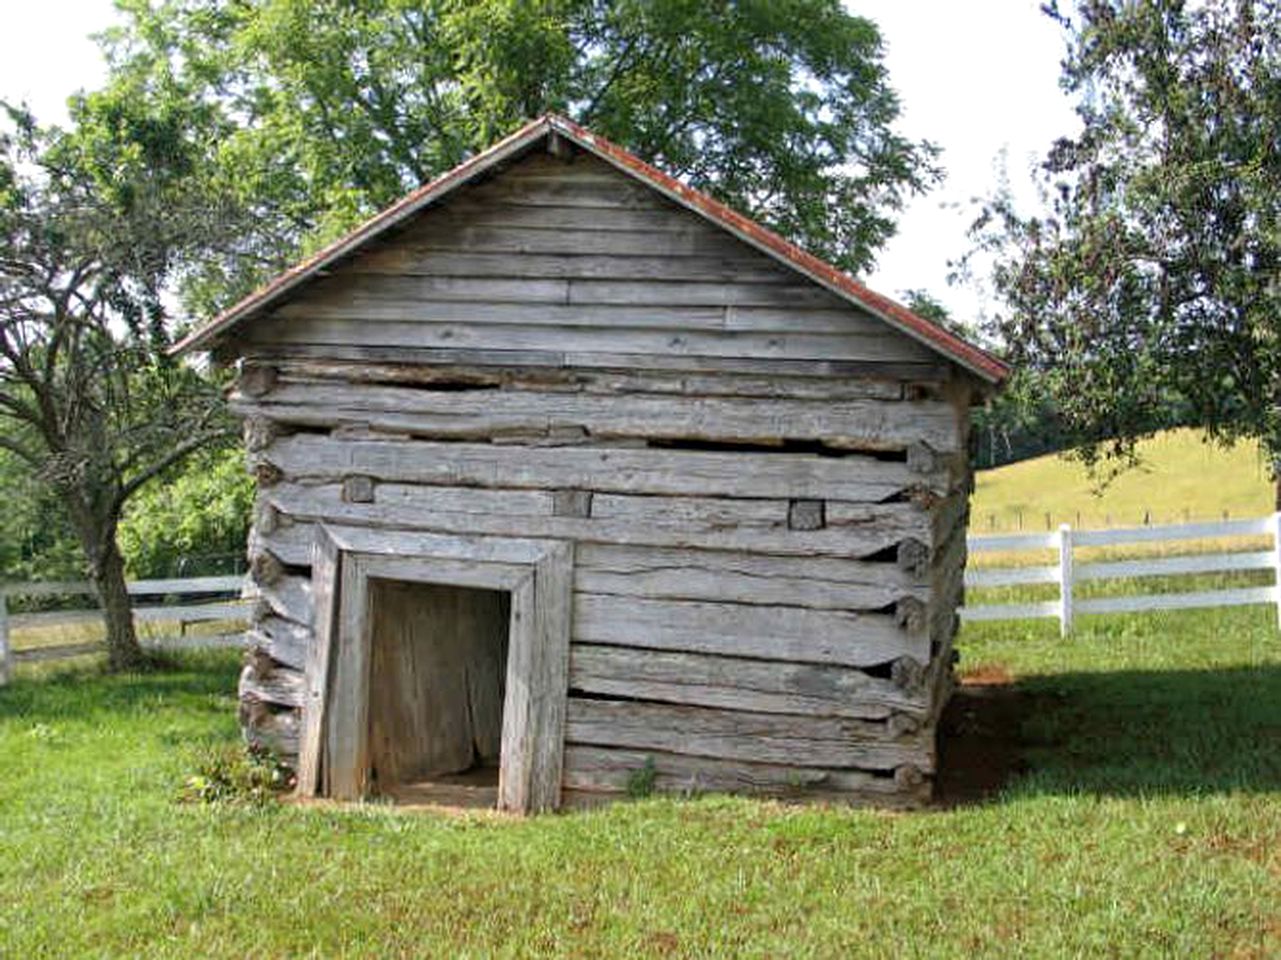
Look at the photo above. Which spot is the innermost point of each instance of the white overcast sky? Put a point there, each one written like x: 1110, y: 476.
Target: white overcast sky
x: 977, y: 78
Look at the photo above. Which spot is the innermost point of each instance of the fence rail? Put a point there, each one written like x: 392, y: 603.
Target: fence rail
x: 230, y: 608
x: 1066, y: 573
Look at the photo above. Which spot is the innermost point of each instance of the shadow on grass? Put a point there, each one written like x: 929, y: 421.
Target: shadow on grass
x: 86, y: 691
x: 1126, y: 733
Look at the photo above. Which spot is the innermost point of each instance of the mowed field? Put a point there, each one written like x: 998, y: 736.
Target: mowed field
x: 1114, y: 794
x: 1181, y: 478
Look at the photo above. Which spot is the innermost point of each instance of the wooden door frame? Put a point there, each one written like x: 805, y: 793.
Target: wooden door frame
x: 334, y: 748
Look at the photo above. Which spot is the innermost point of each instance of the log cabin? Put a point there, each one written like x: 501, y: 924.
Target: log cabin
x: 574, y: 482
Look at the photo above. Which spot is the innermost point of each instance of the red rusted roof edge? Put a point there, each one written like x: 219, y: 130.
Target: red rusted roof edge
x: 896, y: 315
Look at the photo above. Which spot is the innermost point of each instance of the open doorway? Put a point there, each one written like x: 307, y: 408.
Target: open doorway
x: 433, y: 656
x: 438, y: 663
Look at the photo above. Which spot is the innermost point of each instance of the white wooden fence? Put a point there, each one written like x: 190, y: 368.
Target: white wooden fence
x: 1066, y: 573
x: 179, y: 613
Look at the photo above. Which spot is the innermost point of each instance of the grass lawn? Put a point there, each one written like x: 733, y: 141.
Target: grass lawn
x: 1147, y: 823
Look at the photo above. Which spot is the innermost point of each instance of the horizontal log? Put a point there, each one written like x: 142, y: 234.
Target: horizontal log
x: 291, y: 542
x: 736, y: 735
x: 280, y: 685
x: 500, y: 238
x: 594, y: 381
x: 820, y: 582
x: 613, y: 193
x: 396, y: 507
x: 727, y: 268
x: 585, y: 330
x: 477, y: 298
x: 273, y: 729
x: 848, y: 424
x: 738, y: 684
x: 604, y: 771
x: 294, y: 539
x: 487, y: 212
x: 603, y: 469
x: 738, y: 385
x: 282, y: 640
x: 931, y: 372
x: 288, y: 598
x: 789, y: 634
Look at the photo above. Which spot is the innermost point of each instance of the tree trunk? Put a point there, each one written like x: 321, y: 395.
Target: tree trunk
x: 123, y: 650
x: 107, y: 574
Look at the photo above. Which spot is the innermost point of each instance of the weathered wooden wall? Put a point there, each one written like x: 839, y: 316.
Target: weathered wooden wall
x: 767, y: 489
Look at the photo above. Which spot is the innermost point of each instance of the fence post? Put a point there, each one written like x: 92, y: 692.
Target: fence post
x: 1065, y: 580
x: 1276, y: 561
x: 6, y: 655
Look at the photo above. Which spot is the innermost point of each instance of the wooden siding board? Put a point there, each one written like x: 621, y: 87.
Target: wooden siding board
x: 568, y: 276
x: 732, y: 267
x: 659, y: 331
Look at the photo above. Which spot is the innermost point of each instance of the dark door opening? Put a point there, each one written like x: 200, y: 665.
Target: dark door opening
x: 438, y: 666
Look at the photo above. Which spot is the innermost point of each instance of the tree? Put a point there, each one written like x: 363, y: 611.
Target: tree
x: 1018, y: 422
x: 326, y: 110
x: 194, y: 522
x: 1148, y: 293
x: 92, y: 228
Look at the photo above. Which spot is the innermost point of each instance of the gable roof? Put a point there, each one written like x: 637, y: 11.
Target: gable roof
x: 942, y: 341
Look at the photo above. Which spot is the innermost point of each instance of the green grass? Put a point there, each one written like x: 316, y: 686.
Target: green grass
x: 1148, y: 823
x: 1182, y: 479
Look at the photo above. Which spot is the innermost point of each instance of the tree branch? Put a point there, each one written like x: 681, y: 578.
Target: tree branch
x: 19, y: 451
x: 177, y: 454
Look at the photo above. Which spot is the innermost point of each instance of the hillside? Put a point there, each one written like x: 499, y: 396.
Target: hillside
x: 1181, y: 478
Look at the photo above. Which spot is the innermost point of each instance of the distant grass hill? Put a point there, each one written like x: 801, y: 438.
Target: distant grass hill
x: 1181, y: 478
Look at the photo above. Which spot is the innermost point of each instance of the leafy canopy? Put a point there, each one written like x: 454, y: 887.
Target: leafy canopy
x: 94, y: 227
x: 1152, y: 285
x: 325, y: 110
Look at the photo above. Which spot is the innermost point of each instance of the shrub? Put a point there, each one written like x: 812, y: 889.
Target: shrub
x: 236, y: 774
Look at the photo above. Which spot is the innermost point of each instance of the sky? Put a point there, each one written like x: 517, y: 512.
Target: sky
x: 978, y: 78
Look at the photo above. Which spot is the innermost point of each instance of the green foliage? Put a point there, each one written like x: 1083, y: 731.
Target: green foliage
x: 193, y: 522
x: 1152, y: 285
x: 315, y: 114
x: 95, y: 225
x: 1019, y: 422
x: 226, y: 773
x: 36, y: 539
x: 640, y: 782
